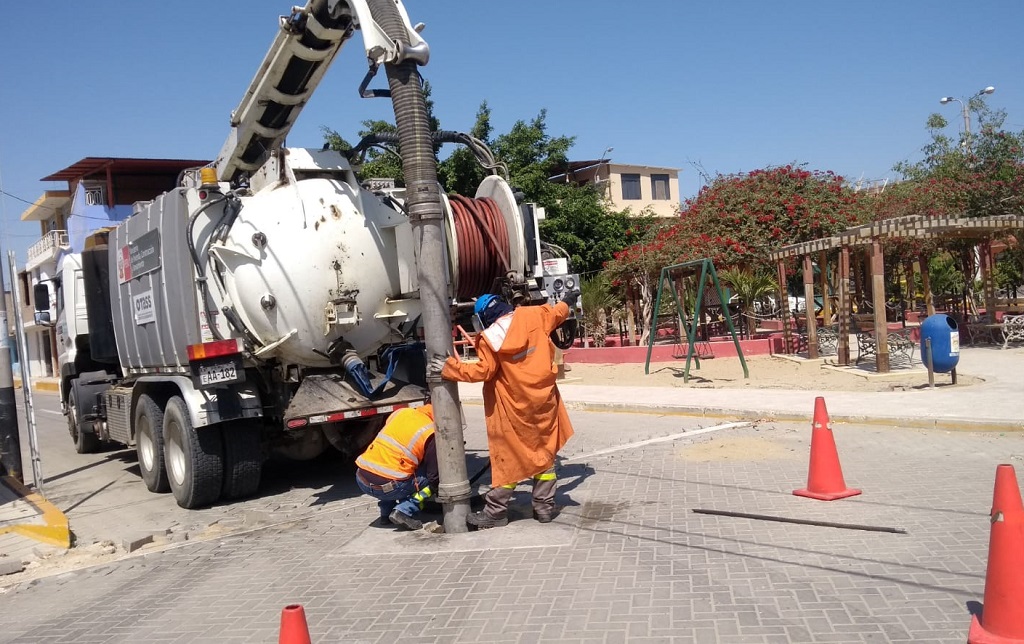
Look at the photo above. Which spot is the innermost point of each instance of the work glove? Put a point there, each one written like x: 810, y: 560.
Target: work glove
x: 436, y: 364
x: 571, y: 297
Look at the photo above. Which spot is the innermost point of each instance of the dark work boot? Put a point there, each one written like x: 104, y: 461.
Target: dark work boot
x: 544, y: 517
x: 404, y: 520
x: 482, y: 521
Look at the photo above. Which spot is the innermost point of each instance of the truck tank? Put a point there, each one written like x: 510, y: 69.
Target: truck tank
x: 308, y: 264
x: 315, y: 261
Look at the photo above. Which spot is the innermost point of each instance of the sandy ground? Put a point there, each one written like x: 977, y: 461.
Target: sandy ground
x: 766, y: 372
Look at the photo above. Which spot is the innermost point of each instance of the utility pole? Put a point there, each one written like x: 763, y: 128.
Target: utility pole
x: 423, y: 204
x: 10, y: 440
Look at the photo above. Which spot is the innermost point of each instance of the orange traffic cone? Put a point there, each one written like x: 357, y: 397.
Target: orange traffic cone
x: 293, y: 626
x: 1002, y: 620
x: 825, y: 476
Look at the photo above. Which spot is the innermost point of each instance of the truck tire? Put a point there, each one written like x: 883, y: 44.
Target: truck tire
x: 85, y: 442
x: 243, y: 460
x: 194, y: 458
x: 149, y: 444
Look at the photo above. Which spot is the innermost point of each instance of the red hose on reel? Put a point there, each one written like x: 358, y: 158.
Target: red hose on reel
x: 483, y: 244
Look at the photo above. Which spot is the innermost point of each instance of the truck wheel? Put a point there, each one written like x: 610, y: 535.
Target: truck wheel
x: 194, y: 458
x: 243, y: 460
x: 85, y: 442
x: 149, y: 444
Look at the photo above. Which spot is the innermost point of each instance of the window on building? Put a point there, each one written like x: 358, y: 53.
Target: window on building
x: 23, y: 284
x: 630, y: 186
x: 659, y: 187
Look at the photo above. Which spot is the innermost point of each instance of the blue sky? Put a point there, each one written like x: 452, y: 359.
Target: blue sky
x: 731, y: 86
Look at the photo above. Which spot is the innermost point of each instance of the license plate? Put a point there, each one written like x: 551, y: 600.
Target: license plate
x: 217, y: 372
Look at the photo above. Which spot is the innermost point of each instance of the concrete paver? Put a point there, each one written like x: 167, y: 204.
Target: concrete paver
x: 628, y: 559
x: 638, y: 564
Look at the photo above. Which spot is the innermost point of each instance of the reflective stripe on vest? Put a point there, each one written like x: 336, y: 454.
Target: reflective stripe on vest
x: 496, y: 333
x: 398, y: 449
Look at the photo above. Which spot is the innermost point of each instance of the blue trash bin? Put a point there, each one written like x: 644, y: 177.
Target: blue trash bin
x: 945, y: 341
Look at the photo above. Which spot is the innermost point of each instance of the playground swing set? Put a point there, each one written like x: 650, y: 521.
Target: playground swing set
x: 706, y: 269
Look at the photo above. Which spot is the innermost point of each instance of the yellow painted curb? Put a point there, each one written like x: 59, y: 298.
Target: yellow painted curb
x: 40, y: 385
x: 54, y: 531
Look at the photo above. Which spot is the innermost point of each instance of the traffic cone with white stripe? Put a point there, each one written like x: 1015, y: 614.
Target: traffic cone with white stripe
x: 1002, y: 618
x: 825, y: 475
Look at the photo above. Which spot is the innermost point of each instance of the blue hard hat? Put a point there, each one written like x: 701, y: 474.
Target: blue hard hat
x: 483, y: 302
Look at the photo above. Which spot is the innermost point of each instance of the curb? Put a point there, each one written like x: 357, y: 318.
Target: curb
x: 39, y: 386
x: 719, y: 413
x: 54, y: 531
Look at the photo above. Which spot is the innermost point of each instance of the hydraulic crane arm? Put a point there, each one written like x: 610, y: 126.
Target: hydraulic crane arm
x: 306, y: 45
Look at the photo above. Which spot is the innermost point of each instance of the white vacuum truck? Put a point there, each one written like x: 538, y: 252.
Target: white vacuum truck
x: 270, y: 302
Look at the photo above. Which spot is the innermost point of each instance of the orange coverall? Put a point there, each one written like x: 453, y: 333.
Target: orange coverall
x: 526, y: 421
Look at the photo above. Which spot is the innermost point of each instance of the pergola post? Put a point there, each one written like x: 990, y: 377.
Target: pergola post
x: 911, y: 294
x: 878, y: 299
x: 812, y: 323
x: 843, y: 350
x: 926, y: 286
x: 858, y: 284
x: 630, y: 320
x: 826, y: 301
x: 988, y: 287
x: 787, y: 318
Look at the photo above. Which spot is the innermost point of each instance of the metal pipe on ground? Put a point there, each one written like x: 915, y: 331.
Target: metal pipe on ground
x: 823, y: 524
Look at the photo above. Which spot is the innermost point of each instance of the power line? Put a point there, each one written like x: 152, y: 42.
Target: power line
x: 31, y: 203
x: 73, y: 214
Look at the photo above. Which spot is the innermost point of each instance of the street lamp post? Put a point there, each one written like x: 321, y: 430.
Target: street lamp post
x: 597, y: 171
x: 966, y: 112
x: 964, y: 105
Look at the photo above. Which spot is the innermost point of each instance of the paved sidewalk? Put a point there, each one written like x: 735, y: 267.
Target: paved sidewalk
x: 628, y: 559
x: 995, y: 404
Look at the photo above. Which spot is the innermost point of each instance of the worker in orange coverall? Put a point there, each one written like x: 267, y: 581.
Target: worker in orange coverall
x: 526, y: 421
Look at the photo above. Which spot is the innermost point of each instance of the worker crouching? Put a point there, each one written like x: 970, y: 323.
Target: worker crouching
x: 399, y: 468
x: 527, y: 423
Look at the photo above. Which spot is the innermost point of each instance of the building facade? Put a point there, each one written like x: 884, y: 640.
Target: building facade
x: 639, y: 188
x: 100, y: 192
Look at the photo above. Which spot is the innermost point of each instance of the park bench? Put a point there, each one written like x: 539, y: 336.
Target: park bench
x: 899, y: 343
x: 828, y: 340
x: 1013, y: 329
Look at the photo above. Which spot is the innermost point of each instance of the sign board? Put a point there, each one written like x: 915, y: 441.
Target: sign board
x: 139, y: 257
x: 954, y: 343
x: 143, y: 308
x: 556, y: 266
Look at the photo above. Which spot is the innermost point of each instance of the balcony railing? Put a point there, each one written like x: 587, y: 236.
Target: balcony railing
x: 47, y: 246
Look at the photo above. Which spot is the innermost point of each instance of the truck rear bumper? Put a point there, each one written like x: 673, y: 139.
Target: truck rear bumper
x: 327, y: 398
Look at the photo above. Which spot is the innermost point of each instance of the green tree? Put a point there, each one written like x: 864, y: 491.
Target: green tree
x: 380, y: 163
x: 577, y: 218
x: 461, y: 173
x: 750, y: 287
x: 597, y: 300
x: 981, y: 174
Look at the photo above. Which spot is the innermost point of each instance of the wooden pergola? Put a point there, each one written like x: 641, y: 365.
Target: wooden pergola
x: 872, y: 235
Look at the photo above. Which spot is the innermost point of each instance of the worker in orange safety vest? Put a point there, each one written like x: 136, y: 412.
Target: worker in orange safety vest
x: 399, y: 468
x: 527, y: 423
